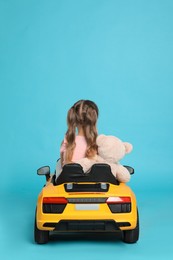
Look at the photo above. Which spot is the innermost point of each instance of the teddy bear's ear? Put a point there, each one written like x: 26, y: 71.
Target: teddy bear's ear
x: 128, y: 147
x: 100, y: 139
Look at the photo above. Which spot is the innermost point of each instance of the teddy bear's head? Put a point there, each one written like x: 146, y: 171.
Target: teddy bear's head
x: 112, y: 149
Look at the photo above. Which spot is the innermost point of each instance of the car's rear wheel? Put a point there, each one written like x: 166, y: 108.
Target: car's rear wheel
x: 40, y: 236
x: 132, y: 236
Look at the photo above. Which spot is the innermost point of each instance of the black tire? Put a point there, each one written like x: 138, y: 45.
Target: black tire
x: 132, y: 236
x: 40, y: 236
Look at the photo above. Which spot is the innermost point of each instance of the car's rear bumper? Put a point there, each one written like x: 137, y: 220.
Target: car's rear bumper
x: 91, y: 222
x: 87, y: 225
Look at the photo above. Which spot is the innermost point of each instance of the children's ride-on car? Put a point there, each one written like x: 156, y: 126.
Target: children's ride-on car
x: 85, y: 202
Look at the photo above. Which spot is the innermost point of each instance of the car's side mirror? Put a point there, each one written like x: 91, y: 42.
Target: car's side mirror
x: 45, y: 170
x: 130, y: 169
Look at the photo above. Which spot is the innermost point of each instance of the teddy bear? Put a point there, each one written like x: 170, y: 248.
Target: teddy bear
x: 110, y: 151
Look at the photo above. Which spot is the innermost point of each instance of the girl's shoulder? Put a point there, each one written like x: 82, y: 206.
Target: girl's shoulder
x: 77, y: 138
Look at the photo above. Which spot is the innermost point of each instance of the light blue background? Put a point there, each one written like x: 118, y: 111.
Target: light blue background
x: 116, y: 53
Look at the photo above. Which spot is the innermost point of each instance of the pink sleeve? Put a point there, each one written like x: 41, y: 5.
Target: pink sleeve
x: 63, y: 146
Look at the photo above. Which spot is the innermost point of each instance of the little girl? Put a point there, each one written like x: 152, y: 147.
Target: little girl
x: 80, y: 138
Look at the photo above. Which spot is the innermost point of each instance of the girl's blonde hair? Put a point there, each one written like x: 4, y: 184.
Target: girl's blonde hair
x: 83, y: 113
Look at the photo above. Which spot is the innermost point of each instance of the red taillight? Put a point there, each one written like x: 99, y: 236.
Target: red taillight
x: 116, y: 200
x: 55, y: 200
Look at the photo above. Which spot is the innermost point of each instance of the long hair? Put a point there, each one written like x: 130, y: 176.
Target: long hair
x: 83, y: 113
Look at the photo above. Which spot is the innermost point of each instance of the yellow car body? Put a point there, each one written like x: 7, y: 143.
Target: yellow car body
x: 86, y: 206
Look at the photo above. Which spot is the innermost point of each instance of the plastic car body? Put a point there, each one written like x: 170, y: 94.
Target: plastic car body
x: 92, y: 202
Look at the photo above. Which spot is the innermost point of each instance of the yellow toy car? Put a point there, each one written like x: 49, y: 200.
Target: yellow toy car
x: 85, y: 202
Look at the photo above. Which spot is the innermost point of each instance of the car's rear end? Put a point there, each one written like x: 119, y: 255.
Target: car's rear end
x: 85, y: 206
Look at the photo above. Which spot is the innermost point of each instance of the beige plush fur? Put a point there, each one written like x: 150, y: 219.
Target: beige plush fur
x: 110, y: 150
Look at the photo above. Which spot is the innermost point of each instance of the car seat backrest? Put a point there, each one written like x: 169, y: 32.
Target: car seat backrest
x: 74, y: 173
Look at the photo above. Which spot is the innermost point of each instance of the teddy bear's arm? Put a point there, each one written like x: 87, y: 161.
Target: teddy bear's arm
x: 122, y: 174
x: 86, y: 163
